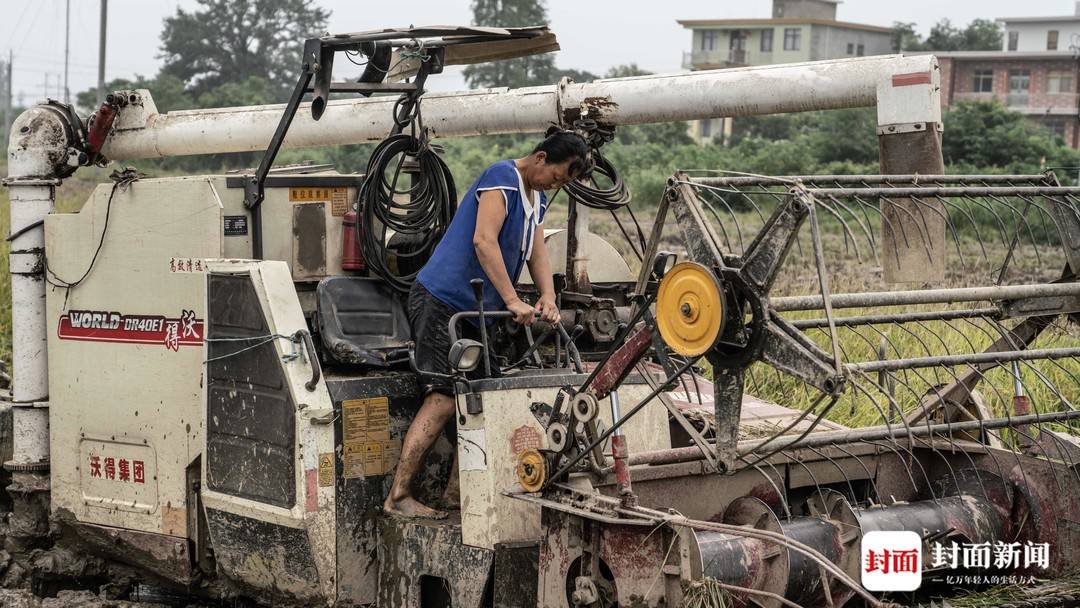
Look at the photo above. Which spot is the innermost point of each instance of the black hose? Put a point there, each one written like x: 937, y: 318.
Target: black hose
x: 607, y: 199
x: 417, y: 213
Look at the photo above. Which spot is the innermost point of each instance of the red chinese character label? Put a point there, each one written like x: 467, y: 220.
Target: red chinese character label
x: 117, y: 469
x: 891, y: 561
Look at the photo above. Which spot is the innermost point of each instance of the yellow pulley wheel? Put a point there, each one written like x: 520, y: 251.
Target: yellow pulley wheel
x: 690, y: 309
x: 531, y: 470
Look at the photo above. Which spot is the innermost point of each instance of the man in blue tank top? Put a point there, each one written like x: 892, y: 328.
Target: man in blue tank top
x: 496, y: 231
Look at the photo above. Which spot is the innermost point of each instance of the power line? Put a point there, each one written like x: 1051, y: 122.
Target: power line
x: 5, y: 94
x: 101, y: 53
x: 30, y: 27
x: 67, y: 48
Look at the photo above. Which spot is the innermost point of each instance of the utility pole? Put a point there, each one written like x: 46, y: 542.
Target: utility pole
x: 67, y: 48
x: 5, y: 95
x: 101, y: 54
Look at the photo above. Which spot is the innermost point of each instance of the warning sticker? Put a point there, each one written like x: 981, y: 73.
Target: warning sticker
x: 337, y: 197
x: 326, y: 469
x: 366, y: 444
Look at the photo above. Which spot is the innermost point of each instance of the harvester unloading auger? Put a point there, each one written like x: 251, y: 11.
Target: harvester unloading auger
x: 227, y: 381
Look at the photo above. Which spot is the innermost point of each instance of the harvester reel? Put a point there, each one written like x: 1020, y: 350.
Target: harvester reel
x: 690, y: 309
x: 744, y: 330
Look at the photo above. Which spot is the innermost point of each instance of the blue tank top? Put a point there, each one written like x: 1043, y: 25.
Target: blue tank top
x: 454, y: 262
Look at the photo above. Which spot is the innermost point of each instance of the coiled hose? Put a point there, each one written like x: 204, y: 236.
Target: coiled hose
x: 417, y: 213
x: 610, y: 199
x: 607, y: 199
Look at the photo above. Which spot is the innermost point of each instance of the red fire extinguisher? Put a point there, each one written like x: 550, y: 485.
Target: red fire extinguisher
x: 351, y: 257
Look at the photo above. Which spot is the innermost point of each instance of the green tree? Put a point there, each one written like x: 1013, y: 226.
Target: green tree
x: 167, y: 91
x: 251, y: 91
x: 944, y: 37
x: 848, y: 135
x: 985, y: 134
x: 983, y: 35
x: 230, y: 41
x: 520, y: 72
x: 905, y: 38
x: 979, y: 35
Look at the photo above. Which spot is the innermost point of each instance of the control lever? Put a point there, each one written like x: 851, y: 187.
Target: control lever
x: 572, y: 352
x: 478, y: 293
x: 558, y: 283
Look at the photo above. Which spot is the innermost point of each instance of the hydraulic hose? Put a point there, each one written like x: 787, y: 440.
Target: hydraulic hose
x: 608, y: 199
x: 418, y: 212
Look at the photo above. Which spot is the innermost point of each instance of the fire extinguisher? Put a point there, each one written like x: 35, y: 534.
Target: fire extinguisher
x: 351, y: 257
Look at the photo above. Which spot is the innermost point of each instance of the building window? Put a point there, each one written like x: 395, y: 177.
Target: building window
x: 1014, y: 40
x: 984, y: 81
x: 1059, y: 82
x: 851, y: 48
x: 1019, y: 87
x: 1019, y: 82
x: 860, y: 50
x: 766, y: 41
x: 792, y: 36
x: 705, y: 128
x: 708, y: 40
x: 1051, y: 40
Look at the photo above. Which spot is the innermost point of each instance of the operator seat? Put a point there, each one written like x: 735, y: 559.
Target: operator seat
x: 362, y: 322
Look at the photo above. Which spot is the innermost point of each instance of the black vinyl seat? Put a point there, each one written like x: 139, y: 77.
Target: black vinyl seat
x: 362, y: 322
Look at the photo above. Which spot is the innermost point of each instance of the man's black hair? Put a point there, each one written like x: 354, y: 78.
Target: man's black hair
x: 561, y: 145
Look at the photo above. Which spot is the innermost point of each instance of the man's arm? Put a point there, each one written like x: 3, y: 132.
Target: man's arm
x: 489, y: 220
x: 540, y: 270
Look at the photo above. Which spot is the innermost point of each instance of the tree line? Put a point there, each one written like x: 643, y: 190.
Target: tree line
x: 223, y: 53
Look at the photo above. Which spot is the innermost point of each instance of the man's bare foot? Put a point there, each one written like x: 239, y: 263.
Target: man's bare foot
x: 410, y: 508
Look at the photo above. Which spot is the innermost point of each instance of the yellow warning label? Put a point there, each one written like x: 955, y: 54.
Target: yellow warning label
x: 367, y: 448
x: 326, y: 469
x: 337, y: 197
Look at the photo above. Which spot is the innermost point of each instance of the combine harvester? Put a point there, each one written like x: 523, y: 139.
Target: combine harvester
x: 212, y: 373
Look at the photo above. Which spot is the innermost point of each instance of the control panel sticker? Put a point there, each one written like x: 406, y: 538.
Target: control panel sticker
x: 337, y: 197
x: 236, y: 225
x: 367, y: 448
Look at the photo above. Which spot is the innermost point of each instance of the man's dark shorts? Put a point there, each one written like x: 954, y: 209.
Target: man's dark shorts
x: 429, y: 319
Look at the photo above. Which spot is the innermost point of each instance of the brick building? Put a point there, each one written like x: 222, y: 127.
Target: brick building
x: 799, y: 30
x: 1039, y: 84
x: 1036, y: 73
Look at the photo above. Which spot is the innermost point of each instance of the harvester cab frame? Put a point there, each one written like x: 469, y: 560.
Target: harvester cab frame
x: 217, y: 407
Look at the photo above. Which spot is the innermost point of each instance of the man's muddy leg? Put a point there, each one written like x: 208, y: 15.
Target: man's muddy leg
x: 424, y: 430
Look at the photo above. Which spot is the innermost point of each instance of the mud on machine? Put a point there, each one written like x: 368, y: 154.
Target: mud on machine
x: 212, y: 379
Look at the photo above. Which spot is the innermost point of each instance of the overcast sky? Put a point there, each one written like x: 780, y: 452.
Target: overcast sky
x: 594, y: 34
